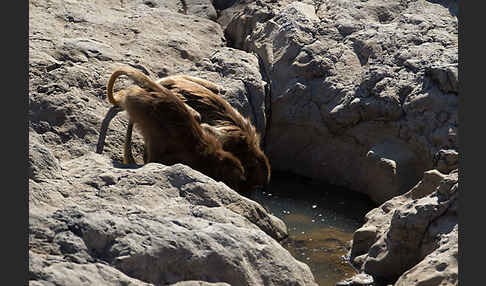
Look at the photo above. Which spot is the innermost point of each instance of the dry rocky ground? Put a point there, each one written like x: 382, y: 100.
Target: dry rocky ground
x: 361, y: 94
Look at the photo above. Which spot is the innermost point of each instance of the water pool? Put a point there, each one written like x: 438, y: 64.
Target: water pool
x: 320, y: 220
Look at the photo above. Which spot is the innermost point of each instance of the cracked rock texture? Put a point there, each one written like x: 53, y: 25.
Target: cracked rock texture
x: 364, y: 94
x: 413, y: 238
x: 94, y: 221
x: 74, y: 46
x: 361, y: 94
x: 100, y: 223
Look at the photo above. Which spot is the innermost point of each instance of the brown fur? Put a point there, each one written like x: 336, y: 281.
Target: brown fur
x: 218, y: 117
x: 171, y: 131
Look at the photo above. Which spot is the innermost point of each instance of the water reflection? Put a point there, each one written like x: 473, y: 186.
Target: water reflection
x: 320, y: 220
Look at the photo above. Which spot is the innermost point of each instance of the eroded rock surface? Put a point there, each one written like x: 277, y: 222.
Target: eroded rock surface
x: 413, y: 238
x: 363, y: 93
x: 153, y: 224
x: 74, y: 46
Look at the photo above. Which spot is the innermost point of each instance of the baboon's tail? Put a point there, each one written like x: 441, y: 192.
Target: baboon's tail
x: 104, y: 127
x: 138, y: 77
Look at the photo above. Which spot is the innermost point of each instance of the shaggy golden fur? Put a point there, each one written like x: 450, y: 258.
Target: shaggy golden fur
x: 170, y: 130
x: 236, y: 133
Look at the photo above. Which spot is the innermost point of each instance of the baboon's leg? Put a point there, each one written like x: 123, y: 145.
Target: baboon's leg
x: 127, y: 147
x: 154, y: 113
x: 104, y: 127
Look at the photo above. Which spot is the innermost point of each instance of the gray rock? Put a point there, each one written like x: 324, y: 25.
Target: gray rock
x: 361, y: 279
x: 153, y: 224
x: 242, y: 85
x: 75, y: 45
x: 363, y: 94
x: 201, y: 8
x: 48, y: 270
x: 198, y: 283
x: 68, y: 72
x: 74, y: 194
x: 439, y: 267
x: 447, y: 160
x: 412, y: 238
x: 42, y: 164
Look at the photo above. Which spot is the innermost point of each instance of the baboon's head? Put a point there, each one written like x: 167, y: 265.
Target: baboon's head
x: 246, y: 147
x: 258, y: 169
x: 230, y: 170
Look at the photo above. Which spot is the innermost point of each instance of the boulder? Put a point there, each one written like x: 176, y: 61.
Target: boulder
x: 74, y: 46
x: 239, y: 76
x: 362, y: 94
x: 361, y: 279
x: 152, y: 224
x: 412, y: 239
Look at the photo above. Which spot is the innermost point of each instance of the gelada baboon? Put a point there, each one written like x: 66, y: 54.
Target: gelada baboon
x: 170, y: 129
x: 236, y: 133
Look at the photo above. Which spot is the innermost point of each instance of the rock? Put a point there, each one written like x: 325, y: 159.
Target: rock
x: 242, y: 85
x: 361, y: 94
x: 198, y: 283
x: 153, y: 224
x: 438, y: 268
x: 42, y: 164
x: 68, y: 74
x: 49, y: 270
x: 74, y: 194
x: 447, y: 160
x: 201, y: 8
x: 361, y: 279
x: 412, y: 239
x: 446, y: 78
x: 354, y: 79
x: 72, y: 59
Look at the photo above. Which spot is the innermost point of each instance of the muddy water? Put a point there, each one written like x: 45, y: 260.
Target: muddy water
x: 320, y: 220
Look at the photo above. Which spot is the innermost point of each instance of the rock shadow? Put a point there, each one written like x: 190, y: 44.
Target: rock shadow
x: 451, y: 5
